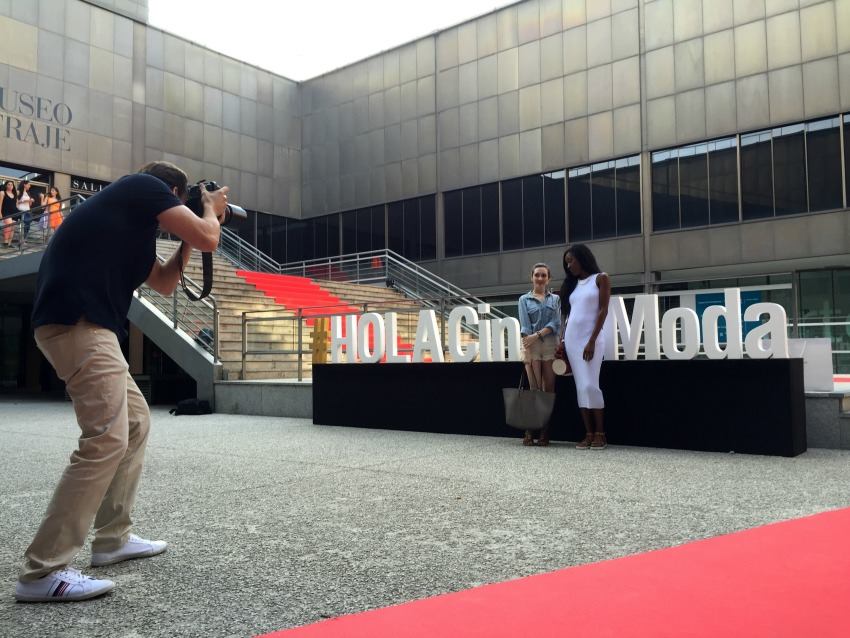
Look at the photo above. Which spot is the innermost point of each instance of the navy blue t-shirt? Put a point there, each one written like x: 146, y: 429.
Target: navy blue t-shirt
x: 101, y: 253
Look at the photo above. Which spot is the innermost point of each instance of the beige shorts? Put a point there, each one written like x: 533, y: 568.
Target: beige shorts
x: 541, y: 350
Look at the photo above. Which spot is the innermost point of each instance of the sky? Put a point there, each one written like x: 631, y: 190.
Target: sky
x: 301, y: 39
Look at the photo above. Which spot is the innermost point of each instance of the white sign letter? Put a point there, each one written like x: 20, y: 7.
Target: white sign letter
x: 775, y: 326
x: 427, y: 338
x: 456, y: 351
x: 391, y: 326
x: 731, y: 312
x: 344, y: 335
x: 690, y: 333
x: 645, y: 312
x: 376, y: 322
x: 506, y: 326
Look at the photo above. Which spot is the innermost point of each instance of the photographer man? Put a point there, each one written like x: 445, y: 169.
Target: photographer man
x: 96, y: 259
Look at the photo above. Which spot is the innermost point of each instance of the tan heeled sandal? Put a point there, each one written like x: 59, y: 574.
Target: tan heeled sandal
x: 584, y: 444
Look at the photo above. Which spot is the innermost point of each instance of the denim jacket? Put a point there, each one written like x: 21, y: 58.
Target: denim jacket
x: 535, y: 315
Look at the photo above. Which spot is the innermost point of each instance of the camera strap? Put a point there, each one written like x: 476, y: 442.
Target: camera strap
x: 206, y: 263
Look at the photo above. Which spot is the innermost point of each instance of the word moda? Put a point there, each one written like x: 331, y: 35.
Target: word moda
x: 499, y: 339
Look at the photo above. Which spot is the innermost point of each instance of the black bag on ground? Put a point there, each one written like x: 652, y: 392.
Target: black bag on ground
x: 191, y: 406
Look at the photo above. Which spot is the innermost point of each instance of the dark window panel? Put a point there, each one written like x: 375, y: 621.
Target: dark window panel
x: 349, y: 232
x: 693, y: 186
x: 333, y: 235
x: 411, y: 229
x: 247, y: 230
x: 264, y: 237
x: 723, y: 181
x: 453, y: 214
x: 789, y: 170
x: 847, y: 156
x: 554, y: 207
x: 665, y: 191
x: 578, y: 205
x: 364, y: 230
x: 512, y: 214
x: 628, y: 200
x: 320, y: 237
x: 490, y: 218
x: 603, y: 203
x: 756, y: 176
x: 816, y: 295
x: 532, y: 211
x: 471, y: 221
x: 395, y: 227
x: 823, y: 156
x: 428, y: 227
x: 379, y: 239
x: 295, y: 235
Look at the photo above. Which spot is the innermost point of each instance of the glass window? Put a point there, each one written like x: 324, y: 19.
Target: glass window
x: 471, y: 221
x: 816, y: 294
x: 823, y: 158
x: 453, y: 223
x: 578, y: 204
x: 379, y: 227
x: 756, y: 176
x: 490, y: 218
x: 512, y: 214
x: 554, y: 208
x: 364, y: 230
x: 428, y: 227
x: 395, y: 226
x: 333, y: 235
x: 693, y: 185
x: 247, y: 230
x: 628, y: 196
x: 295, y: 236
x: 723, y: 181
x: 264, y: 236
x: 841, y: 285
x: 532, y: 211
x: 349, y: 232
x: 665, y: 190
x: 789, y: 170
x: 603, y: 203
x: 320, y: 236
x: 847, y: 156
x: 411, y: 229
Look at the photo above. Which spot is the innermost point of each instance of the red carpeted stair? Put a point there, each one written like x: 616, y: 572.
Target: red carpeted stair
x: 293, y: 293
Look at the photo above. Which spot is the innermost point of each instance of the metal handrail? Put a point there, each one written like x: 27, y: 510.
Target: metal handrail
x: 376, y: 266
x: 275, y: 316
x: 36, y: 214
x: 186, y: 314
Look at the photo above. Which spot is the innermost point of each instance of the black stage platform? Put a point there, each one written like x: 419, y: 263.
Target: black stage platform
x: 743, y: 405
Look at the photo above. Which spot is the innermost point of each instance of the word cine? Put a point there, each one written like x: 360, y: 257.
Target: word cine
x: 499, y: 339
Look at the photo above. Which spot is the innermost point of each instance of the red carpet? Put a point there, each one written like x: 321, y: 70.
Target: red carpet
x: 786, y: 580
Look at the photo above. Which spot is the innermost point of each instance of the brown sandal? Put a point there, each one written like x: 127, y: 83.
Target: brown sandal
x: 543, y: 441
x: 584, y: 444
x: 528, y: 439
x: 599, y: 441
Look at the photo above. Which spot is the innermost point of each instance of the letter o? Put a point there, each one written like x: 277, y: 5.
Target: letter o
x: 690, y: 333
x: 62, y: 114
x: 376, y: 322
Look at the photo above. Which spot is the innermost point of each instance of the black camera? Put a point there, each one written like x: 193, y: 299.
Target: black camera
x: 232, y: 213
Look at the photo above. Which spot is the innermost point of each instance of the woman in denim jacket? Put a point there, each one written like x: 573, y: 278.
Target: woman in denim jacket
x: 540, y: 324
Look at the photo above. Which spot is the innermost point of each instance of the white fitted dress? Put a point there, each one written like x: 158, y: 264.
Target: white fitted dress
x: 584, y: 309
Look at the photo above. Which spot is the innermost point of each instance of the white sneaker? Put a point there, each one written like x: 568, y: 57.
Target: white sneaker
x: 63, y: 585
x: 135, y: 547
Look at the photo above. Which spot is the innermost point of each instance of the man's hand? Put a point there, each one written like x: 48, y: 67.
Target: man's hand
x: 216, y: 201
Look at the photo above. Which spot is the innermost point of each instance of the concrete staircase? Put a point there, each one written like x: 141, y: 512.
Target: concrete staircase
x: 234, y: 295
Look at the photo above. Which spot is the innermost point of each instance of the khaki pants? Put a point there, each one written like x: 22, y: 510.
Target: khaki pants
x: 99, y: 484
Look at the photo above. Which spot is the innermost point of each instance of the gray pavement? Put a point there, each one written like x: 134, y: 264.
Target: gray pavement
x: 275, y: 522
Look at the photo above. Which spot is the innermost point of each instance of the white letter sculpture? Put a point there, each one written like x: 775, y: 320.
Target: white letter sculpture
x: 732, y: 313
x: 349, y: 340
x: 391, y: 325
x: 427, y: 338
x: 645, y: 312
x: 376, y: 322
x: 456, y: 317
x: 775, y: 326
x: 690, y: 333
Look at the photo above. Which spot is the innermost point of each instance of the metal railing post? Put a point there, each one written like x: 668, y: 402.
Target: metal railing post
x: 174, y: 308
x: 244, y: 343
x: 300, y: 344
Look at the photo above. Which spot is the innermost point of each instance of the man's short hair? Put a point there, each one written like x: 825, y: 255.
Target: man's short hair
x: 168, y: 173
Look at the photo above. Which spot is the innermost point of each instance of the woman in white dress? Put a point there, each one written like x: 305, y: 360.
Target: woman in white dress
x: 584, y: 304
